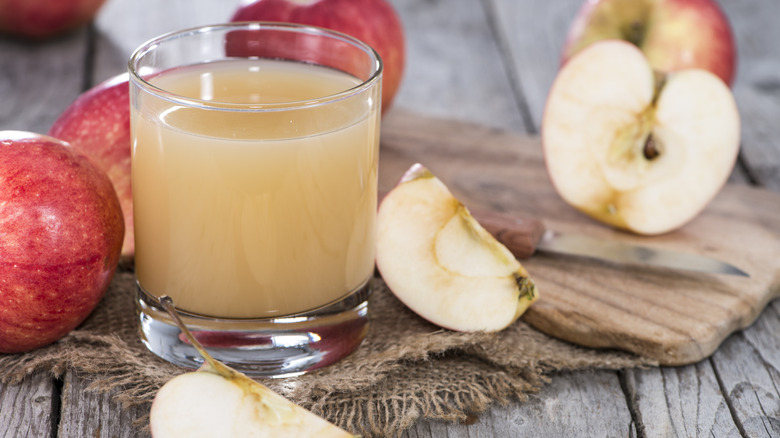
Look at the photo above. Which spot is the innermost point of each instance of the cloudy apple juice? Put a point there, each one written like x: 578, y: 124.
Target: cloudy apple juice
x: 248, y: 203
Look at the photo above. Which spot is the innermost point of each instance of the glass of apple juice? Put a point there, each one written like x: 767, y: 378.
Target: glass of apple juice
x: 254, y: 169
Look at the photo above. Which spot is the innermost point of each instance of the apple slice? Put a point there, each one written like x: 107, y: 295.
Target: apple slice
x: 218, y: 401
x: 633, y: 149
x: 442, y: 264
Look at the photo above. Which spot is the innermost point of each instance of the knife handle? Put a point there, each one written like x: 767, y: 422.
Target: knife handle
x: 519, y: 233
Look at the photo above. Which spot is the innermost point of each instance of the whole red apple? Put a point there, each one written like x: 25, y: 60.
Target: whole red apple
x: 97, y: 124
x: 673, y: 34
x: 40, y: 19
x: 61, y: 232
x: 375, y: 22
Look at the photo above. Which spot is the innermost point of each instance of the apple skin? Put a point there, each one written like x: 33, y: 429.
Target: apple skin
x: 374, y: 22
x: 673, y: 34
x: 40, y: 19
x: 62, y: 229
x: 97, y: 124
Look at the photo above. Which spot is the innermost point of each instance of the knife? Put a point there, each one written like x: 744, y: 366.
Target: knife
x: 523, y: 236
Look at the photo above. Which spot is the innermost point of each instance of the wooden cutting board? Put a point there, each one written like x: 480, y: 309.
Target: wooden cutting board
x: 674, y: 317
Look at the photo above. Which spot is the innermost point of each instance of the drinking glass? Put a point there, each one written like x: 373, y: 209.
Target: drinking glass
x: 254, y: 169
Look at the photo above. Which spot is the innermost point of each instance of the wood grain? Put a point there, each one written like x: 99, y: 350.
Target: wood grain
x: 746, y: 366
x: 585, y: 405
x: 26, y: 409
x: 532, y: 34
x: 671, y: 316
x: 680, y: 401
x: 117, y: 36
x: 757, y: 85
x: 453, y: 63
x: 37, y: 80
x: 87, y: 413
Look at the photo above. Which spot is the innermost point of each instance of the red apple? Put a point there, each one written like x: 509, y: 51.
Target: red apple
x: 61, y: 234
x: 97, y: 124
x: 374, y: 22
x: 40, y: 19
x: 673, y: 34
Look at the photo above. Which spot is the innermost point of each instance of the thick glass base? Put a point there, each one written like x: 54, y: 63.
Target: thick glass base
x: 274, y: 347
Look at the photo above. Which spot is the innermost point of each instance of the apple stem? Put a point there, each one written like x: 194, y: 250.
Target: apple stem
x: 167, y: 303
x: 659, y: 78
x: 636, y: 33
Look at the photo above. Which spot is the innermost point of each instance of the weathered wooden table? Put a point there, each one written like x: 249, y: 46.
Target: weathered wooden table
x: 489, y: 62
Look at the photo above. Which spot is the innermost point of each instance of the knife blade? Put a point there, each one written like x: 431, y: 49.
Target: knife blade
x: 523, y: 236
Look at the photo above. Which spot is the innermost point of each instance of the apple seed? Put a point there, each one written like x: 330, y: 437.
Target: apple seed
x: 650, y: 150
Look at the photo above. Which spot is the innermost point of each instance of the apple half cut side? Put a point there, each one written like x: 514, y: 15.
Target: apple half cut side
x: 442, y: 264
x: 635, y: 149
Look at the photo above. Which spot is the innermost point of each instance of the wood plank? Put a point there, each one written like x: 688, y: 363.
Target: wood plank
x: 734, y: 393
x: 680, y: 401
x: 757, y: 85
x: 573, y: 404
x: 532, y: 34
x: 453, y: 66
x: 747, y: 368
x: 577, y: 404
x: 39, y: 79
x: 98, y: 415
x: 117, y: 36
x: 26, y: 409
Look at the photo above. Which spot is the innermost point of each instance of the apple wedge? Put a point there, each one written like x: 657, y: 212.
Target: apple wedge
x: 218, y: 401
x: 635, y: 149
x: 442, y: 264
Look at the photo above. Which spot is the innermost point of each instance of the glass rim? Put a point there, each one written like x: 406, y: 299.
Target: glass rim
x: 137, y: 78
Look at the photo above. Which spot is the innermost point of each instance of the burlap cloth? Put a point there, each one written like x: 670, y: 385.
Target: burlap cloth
x: 405, y: 370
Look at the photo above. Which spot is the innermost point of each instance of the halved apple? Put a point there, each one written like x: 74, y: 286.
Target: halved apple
x: 442, y: 264
x: 636, y: 149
